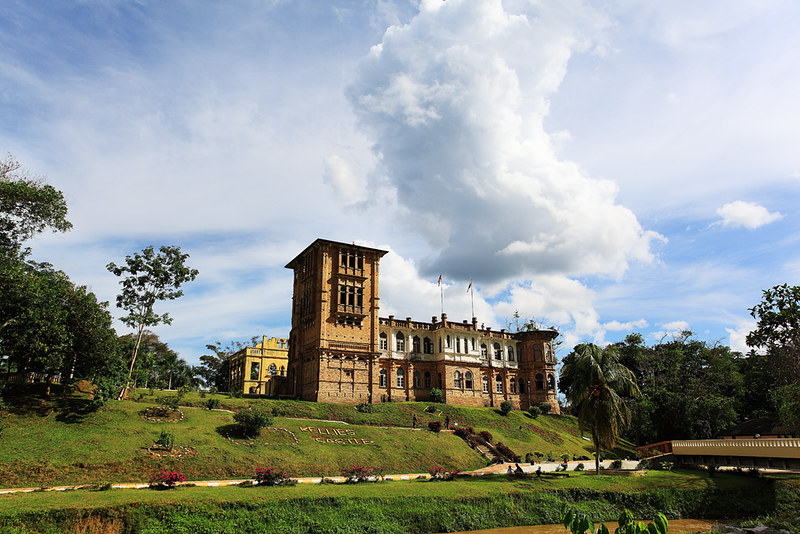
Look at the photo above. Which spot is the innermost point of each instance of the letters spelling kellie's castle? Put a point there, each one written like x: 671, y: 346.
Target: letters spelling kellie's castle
x: 340, y: 350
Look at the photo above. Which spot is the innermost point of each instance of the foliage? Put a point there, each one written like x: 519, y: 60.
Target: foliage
x: 358, y: 473
x: 506, y: 407
x: 787, y: 400
x: 169, y: 402
x: 545, y: 408
x: 166, y: 479
x: 27, y: 206
x: 365, y: 407
x: 147, y: 278
x: 212, y: 403
x: 435, y: 426
x: 579, y: 523
x: 778, y: 331
x: 440, y: 473
x: 271, y: 477
x: 253, y: 420
x: 507, y: 452
x: 580, y: 467
x: 165, y: 440
x: 437, y: 395
x: 486, y: 436
x: 599, y: 383
x: 431, y: 409
x: 535, y: 411
x: 214, y: 368
x: 616, y: 464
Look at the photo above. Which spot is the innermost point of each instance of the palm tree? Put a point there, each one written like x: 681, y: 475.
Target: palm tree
x: 598, y: 384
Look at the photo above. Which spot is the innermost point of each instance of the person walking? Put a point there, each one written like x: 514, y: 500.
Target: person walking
x: 414, y: 421
x: 447, y: 422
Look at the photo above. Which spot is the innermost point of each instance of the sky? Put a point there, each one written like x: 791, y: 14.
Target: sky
x: 602, y: 167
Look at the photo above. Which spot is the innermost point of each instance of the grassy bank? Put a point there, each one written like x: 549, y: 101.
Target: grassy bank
x: 59, y: 440
x: 390, y: 507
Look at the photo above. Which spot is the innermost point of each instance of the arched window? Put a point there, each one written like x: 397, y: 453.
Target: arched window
x: 400, y: 341
x: 486, y: 384
x: 484, y: 353
x: 498, y: 352
x: 512, y: 384
x: 415, y: 344
x: 499, y: 384
x: 384, y: 341
x: 550, y: 357
x: 457, y: 380
x: 539, y: 382
x: 510, y: 353
x: 416, y: 380
x: 468, y: 380
x: 382, y: 378
x: 428, y: 345
x: 427, y: 380
x: 551, y: 382
x: 273, y: 369
x: 401, y: 378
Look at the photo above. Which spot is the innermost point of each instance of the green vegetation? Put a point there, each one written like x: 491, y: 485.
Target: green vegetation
x: 391, y: 507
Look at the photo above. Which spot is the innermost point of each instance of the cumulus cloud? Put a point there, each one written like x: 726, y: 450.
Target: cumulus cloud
x: 672, y: 329
x: 738, y: 335
x: 617, y: 326
x: 340, y: 176
x: 746, y: 214
x: 455, y: 101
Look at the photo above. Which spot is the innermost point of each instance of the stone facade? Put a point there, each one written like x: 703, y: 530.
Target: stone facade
x: 342, y: 351
x: 262, y: 369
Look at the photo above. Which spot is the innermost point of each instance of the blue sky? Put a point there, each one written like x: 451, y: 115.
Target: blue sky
x: 604, y: 167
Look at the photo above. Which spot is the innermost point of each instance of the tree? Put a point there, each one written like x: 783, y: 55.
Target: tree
x: 149, y: 278
x: 214, y: 369
x: 778, y: 331
x: 27, y: 206
x: 599, y: 385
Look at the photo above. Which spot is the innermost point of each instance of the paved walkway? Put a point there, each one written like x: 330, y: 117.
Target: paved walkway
x: 492, y: 469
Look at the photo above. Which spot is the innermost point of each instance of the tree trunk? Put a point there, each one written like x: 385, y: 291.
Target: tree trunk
x: 133, y: 361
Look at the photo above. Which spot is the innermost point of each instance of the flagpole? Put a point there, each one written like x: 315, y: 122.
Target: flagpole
x: 471, y: 297
x: 441, y: 293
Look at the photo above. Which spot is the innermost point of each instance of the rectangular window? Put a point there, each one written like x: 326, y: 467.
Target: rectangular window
x: 384, y: 343
x: 254, y: 371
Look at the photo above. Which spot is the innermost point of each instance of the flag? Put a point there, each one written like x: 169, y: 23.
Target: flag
x: 469, y: 286
x: 440, y: 279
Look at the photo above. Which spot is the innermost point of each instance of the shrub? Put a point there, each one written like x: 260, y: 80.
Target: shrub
x: 535, y: 411
x: 357, y: 473
x: 435, y: 426
x: 538, y: 455
x: 431, y: 409
x: 271, y: 477
x: 183, y: 390
x: 712, y: 469
x: 616, y: 464
x: 278, y: 411
x: 580, y: 467
x: 212, y: 403
x: 437, y: 395
x: 506, y: 407
x: 565, y: 457
x: 253, y: 420
x: 545, y: 408
x: 529, y: 458
x: 202, y: 394
x: 440, y: 473
x: 168, y: 402
x: 507, y: 452
x: 165, y: 440
x: 463, y: 432
x: 166, y: 479
x: 365, y: 407
x: 485, y: 435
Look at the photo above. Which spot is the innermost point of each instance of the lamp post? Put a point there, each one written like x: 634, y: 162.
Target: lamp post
x: 529, y: 393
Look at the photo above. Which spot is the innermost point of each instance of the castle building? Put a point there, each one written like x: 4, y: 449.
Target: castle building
x: 260, y: 370
x: 341, y: 350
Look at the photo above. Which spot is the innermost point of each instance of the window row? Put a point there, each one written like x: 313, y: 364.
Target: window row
x: 400, y: 379
x: 351, y: 259
x: 427, y: 346
x: 465, y: 381
x: 255, y: 367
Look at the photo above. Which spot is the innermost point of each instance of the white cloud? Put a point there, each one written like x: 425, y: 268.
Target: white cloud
x: 617, y: 326
x: 672, y: 329
x: 340, y: 176
x: 455, y: 101
x: 746, y: 214
x: 738, y: 335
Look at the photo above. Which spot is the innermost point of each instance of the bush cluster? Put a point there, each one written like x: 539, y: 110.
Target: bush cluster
x: 535, y: 411
x: 271, y: 477
x: 168, y: 402
x: 431, y: 409
x: 166, y: 479
x: 437, y: 395
x: 253, y: 420
x: 506, y: 407
x: 485, y: 435
x: 365, y: 407
x: 360, y: 473
x: 440, y: 473
x: 435, y: 426
x: 503, y: 449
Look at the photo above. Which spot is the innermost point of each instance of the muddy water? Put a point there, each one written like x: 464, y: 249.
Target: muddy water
x: 676, y: 526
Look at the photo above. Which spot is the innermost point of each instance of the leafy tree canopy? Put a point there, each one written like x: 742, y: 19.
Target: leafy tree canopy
x: 27, y: 206
x: 778, y: 331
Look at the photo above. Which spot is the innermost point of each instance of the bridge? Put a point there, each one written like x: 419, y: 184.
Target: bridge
x: 771, y: 453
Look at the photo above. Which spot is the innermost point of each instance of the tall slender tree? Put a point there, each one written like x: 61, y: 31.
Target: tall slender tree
x: 150, y: 277
x: 599, y: 386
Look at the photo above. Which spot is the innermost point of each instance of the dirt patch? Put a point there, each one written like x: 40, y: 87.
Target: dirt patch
x: 174, y: 452
x: 161, y: 414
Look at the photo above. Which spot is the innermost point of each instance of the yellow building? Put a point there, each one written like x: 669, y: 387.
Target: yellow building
x: 260, y: 370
